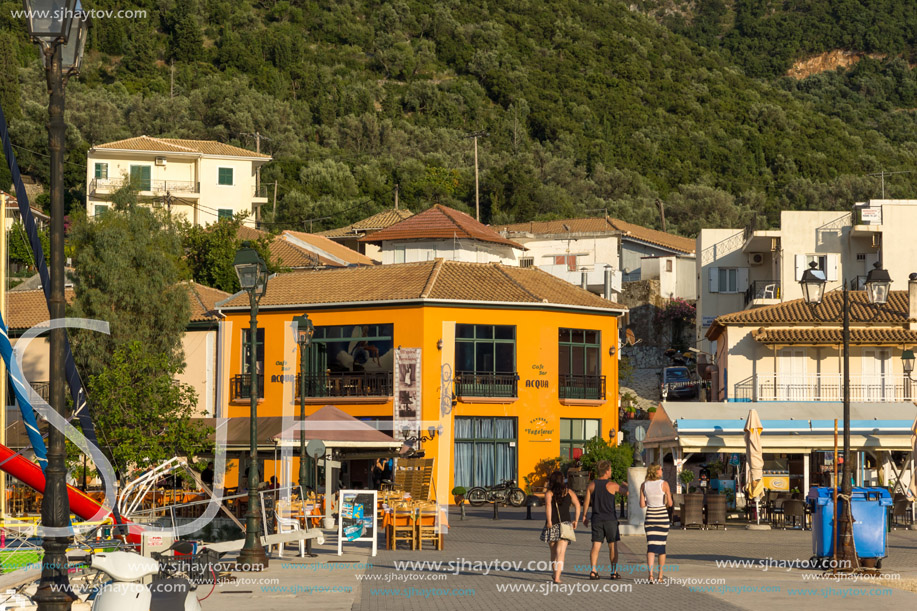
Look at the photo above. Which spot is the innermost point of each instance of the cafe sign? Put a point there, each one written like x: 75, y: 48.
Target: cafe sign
x: 538, y: 427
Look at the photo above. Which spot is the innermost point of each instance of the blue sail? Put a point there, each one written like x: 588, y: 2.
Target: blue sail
x: 18, y: 383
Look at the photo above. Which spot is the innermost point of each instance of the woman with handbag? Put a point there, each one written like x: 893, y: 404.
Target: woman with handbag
x: 558, y: 530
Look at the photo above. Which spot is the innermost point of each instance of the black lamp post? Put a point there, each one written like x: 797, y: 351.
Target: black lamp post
x: 303, y: 333
x: 60, y: 32
x: 252, y: 272
x: 878, y: 283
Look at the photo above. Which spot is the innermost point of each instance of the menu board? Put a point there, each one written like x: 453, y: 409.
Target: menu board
x: 357, y: 519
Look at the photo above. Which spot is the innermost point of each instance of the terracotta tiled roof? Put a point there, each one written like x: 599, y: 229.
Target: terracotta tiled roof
x: 175, y: 145
x: 323, y: 244
x: 285, y: 253
x: 603, y: 225
x: 25, y: 309
x: 203, y: 301
x: 378, y: 221
x: 829, y: 311
x: 440, y: 222
x: 428, y: 280
x: 834, y: 336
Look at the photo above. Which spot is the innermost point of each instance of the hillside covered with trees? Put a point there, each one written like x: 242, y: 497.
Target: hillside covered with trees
x: 588, y: 105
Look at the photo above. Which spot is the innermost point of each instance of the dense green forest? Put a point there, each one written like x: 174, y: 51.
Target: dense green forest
x: 588, y: 105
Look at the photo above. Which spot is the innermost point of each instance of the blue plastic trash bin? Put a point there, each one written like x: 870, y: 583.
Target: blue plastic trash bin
x: 870, y: 514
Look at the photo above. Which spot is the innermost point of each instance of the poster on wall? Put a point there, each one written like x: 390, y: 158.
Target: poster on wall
x: 407, y: 411
x: 358, y: 517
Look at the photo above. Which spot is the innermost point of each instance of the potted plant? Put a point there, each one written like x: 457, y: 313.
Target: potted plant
x: 686, y: 478
x: 631, y: 411
x: 459, y: 493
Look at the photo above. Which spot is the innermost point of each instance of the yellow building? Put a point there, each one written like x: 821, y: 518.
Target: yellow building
x: 493, y: 368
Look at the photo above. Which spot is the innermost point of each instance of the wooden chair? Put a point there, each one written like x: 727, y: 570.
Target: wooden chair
x: 901, y: 509
x: 792, y: 509
x: 426, y: 528
x: 401, y: 527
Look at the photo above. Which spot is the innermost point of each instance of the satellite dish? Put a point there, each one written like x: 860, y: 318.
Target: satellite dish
x: 315, y: 448
x: 639, y: 433
x: 630, y: 338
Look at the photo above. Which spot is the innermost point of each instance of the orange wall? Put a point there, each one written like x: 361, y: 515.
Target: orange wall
x: 422, y: 327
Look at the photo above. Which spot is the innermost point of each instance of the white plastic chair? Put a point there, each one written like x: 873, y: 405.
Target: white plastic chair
x: 287, y: 523
x: 770, y: 291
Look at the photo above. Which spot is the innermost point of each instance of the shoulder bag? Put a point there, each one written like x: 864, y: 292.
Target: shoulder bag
x: 566, y: 528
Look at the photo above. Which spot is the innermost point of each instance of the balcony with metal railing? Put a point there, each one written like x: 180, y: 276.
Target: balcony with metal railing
x: 762, y: 292
x: 107, y: 186
x: 347, y: 384
x: 241, y: 384
x: 581, y: 387
x: 486, y: 384
x: 824, y: 387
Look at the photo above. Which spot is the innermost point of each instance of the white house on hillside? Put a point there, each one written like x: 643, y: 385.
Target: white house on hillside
x: 203, y: 180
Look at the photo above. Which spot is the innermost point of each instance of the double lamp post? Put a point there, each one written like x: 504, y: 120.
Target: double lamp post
x: 878, y: 284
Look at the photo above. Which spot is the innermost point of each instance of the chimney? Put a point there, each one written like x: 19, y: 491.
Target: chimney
x: 584, y: 280
x: 912, y: 302
x: 609, y: 274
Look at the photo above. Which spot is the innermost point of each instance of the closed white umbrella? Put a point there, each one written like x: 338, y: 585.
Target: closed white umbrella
x: 913, y: 486
x: 754, y: 460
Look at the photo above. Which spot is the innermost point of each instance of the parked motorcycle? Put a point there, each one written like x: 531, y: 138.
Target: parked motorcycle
x: 506, y: 492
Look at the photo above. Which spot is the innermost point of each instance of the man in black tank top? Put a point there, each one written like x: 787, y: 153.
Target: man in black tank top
x: 601, y: 494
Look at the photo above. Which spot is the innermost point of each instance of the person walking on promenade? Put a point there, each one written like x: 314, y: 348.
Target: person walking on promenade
x: 557, y: 500
x: 601, y: 494
x: 656, y: 496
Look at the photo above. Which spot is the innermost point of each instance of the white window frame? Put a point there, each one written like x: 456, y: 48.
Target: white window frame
x: 95, y: 170
x: 827, y: 262
x: 741, y: 280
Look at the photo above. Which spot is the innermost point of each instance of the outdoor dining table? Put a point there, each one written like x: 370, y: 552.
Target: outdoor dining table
x: 415, y: 519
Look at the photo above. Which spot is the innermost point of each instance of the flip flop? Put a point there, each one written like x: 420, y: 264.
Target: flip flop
x: 615, y: 576
x: 593, y: 576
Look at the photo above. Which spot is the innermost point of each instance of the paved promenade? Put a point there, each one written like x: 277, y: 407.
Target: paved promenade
x: 708, y: 570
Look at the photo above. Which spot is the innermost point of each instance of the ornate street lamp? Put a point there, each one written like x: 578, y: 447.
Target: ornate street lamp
x: 303, y: 331
x: 59, y: 29
x: 907, y: 362
x: 253, y: 275
x: 877, y: 288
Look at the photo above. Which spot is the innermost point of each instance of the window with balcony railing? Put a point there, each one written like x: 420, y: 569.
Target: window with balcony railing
x: 485, y: 361
x: 241, y: 387
x: 579, y: 364
x: 350, y: 361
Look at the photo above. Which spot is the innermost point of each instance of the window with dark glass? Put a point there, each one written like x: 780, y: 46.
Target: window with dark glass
x: 224, y: 213
x: 579, y: 364
x: 575, y: 432
x: 485, y: 360
x: 350, y: 360
x: 241, y: 384
x: 485, y: 451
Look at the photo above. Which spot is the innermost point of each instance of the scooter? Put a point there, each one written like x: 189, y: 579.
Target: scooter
x: 125, y: 592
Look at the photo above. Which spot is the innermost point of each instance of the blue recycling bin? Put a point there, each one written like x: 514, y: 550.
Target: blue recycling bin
x: 870, y: 515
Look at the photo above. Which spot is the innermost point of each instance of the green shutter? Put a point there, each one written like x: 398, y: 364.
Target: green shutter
x: 142, y: 175
x: 224, y: 176
x: 101, y: 170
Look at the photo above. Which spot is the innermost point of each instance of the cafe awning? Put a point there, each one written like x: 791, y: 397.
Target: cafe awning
x: 337, y: 429
x: 789, y: 426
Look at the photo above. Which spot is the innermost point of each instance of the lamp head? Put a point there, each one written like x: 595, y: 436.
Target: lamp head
x: 878, y: 284
x: 304, y: 331
x: 251, y: 270
x: 907, y: 362
x: 813, y: 284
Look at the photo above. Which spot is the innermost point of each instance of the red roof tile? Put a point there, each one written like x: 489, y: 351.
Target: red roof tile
x: 603, y: 225
x: 175, y: 145
x: 440, y: 222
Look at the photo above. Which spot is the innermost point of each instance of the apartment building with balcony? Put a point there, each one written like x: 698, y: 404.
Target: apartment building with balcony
x: 509, y: 365
x: 202, y: 180
x: 740, y: 269
x: 584, y: 250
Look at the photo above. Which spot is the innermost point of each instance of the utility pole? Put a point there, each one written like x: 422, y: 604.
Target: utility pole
x: 396, y: 196
x: 882, y: 174
x: 172, y: 79
x: 661, y: 206
x: 274, y: 215
x: 3, y: 263
x: 477, y: 193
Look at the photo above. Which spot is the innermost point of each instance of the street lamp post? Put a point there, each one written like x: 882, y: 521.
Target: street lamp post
x: 304, y: 331
x: 813, y: 283
x: 59, y: 29
x: 252, y: 272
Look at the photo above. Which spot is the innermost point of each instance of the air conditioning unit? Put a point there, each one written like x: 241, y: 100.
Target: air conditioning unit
x: 161, y: 161
x: 756, y: 258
